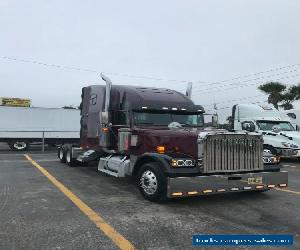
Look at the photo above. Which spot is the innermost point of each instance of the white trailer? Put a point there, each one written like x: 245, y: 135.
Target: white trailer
x: 21, y: 126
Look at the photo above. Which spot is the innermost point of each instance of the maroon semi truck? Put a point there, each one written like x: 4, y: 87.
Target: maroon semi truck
x: 158, y: 136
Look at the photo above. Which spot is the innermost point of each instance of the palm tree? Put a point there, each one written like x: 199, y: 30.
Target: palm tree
x: 288, y: 97
x: 278, y: 93
x: 296, y: 89
x: 275, y: 91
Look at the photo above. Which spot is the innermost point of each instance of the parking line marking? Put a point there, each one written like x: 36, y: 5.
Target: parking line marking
x: 289, y: 166
x: 107, y: 229
x: 288, y: 191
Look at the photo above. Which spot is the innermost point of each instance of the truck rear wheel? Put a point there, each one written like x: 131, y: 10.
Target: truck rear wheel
x: 152, y: 182
x: 18, y: 145
x: 61, y: 155
x: 69, y: 158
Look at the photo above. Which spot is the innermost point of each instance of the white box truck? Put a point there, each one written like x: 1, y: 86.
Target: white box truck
x: 22, y: 126
x: 279, y: 135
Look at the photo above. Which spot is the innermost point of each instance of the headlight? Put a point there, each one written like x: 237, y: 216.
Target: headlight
x: 271, y: 159
x: 182, y: 163
x: 289, y: 145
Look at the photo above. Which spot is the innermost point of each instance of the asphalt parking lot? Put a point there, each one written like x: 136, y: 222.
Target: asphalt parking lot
x: 36, y: 214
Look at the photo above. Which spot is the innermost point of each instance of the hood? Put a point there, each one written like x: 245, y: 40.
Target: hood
x: 179, y: 142
x: 294, y: 135
x: 276, y: 139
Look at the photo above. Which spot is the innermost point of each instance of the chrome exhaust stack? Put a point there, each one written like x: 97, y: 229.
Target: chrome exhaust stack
x: 189, y: 88
x: 105, y: 124
x: 107, y: 91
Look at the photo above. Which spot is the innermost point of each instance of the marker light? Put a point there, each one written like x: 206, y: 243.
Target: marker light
x: 260, y: 186
x: 221, y: 190
x: 160, y: 149
x: 282, y: 185
x: 177, y: 194
x: 193, y: 193
x: 207, y: 191
x: 271, y: 186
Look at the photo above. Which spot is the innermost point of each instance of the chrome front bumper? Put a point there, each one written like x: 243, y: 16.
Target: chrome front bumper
x: 286, y: 153
x: 202, y: 185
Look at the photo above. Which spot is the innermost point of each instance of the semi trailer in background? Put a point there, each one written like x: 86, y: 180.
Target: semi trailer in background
x: 158, y: 137
x: 22, y: 126
x: 279, y: 135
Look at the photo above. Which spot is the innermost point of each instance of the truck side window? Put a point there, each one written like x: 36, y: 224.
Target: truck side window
x: 120, y: 118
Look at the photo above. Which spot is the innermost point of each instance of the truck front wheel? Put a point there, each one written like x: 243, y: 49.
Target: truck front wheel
x: 152, y: 182
x: 18, y: 145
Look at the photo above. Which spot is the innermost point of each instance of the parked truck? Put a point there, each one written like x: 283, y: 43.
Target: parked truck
x: 158, y: 137
x: 22, y: 126
x: 279, y: 135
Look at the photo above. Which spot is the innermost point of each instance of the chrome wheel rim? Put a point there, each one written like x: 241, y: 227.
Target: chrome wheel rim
x: 20, y: 145
x: 61, y: 154
x: 68, y: 158
x: 148, y: 182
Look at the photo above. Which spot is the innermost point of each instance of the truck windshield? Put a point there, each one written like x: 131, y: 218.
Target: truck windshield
x: 164, y: 119
x: 273, y: 125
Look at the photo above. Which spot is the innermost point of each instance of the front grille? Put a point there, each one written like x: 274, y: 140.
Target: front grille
x: 232, y: 153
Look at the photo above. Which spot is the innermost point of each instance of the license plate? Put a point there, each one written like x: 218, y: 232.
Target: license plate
x: 255, y: 180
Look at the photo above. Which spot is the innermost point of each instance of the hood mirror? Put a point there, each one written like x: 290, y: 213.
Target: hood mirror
x: 248, y: 126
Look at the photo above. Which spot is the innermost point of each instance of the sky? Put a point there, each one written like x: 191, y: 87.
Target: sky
x: 226, y: 48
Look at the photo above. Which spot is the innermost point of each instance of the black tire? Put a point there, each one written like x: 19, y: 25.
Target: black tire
x: 61, y: 155
x: 155, y: 178
x: 19, y: 145
x: 69, y: 158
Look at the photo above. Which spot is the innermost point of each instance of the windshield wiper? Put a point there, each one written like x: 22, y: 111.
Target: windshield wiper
x: 145, y: 123
x: 186, y: 124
